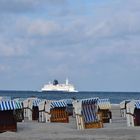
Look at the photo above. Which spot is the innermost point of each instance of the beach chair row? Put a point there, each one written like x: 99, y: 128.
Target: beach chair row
x: 92, y: 113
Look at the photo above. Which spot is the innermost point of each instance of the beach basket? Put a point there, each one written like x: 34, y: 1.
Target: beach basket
x: 86, y: 112
x: 104, y: 109
x: 31, y: 110
x: 133, y: 113
x: 69, y: 106
x: 7, y: 118
x: 58, y: 112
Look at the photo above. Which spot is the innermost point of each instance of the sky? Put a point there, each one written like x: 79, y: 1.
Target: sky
x: 93, y: 43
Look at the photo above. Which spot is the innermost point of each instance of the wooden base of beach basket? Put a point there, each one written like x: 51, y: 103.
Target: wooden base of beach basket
x: 7, y: 121
x: 97, y: 124
x: 82, y: 125
x: 59, y: 115
x: 94, y: 125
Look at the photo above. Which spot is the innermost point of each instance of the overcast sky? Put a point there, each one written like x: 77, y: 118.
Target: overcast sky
x: 95, y: 43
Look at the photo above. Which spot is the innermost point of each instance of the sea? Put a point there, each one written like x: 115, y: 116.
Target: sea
x: 114, y: 97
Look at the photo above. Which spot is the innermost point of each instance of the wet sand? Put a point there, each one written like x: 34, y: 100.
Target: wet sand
x: 32, y: 130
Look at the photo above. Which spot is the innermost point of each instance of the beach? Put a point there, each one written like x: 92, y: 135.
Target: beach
x: 33, y: 130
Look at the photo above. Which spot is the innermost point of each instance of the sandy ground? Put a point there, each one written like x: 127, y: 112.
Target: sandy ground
x: 32, y: 130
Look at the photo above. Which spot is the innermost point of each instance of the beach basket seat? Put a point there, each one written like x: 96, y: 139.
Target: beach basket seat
x: 35, y: 109
x: 104, y: 109
x: 105, y: 115
x: 86, y: 112
x: 35, y: 113
x: 58, y: 112
x: 7, y: 118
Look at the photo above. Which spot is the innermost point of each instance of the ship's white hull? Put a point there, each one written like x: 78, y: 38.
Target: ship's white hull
x: 59, y: 87
x: 48, y: 90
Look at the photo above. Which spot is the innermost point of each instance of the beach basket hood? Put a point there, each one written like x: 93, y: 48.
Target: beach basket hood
x: 123, y: 104
x: 132, y: 105
x: 55, y: 104
x: 7, y: 105
x: 104, y: 104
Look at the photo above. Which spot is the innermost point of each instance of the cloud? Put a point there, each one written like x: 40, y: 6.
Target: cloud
x: 29, y: 6
x: 3, y: 68
x: 39, y: 27
x: 16, y: 47
x: 62, y: 40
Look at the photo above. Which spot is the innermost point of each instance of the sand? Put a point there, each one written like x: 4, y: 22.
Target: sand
x: 32, y: 130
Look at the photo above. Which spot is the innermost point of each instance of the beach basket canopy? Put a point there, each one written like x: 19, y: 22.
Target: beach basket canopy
x: 123, y: 104
x: 104, y: 104
x: 58, y: 104
x: 90, y: 100
x: 7, y: 105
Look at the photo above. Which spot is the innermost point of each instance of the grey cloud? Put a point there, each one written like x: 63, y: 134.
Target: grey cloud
x: 16, y: 47
x: 23, y: 6
x: 82, y: 31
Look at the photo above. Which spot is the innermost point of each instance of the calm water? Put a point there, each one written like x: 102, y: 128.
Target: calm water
x: 115, y: 97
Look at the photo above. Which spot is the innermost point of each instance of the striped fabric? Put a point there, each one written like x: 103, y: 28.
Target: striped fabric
x: 104, y: 104
x: 18, y: 105
x: 58, y: 104
x: 89, y: 113
x: 36, y: 102
x: 90, y: 100
x: 67, y: 101
x: 137, y: 104
x: 7, y: 105
x: 89, y: 109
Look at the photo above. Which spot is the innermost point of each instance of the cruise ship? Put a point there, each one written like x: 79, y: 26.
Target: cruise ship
x: 55, y: 86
